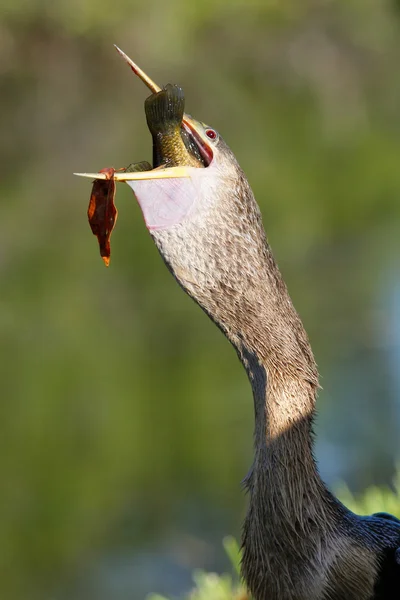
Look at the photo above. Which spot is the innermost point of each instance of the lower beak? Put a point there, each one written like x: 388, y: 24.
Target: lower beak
x: 171, y: 173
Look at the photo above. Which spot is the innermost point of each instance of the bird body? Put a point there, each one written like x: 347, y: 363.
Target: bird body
x: 299, y: 542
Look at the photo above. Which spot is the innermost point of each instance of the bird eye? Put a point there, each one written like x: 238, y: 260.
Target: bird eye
x: 210, y: 133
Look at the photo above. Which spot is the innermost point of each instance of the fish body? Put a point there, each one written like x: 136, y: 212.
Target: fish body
x: 102, y: 213
x: 172, y: 145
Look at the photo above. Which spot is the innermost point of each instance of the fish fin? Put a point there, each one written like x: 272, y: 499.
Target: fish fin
x: 138, y: 167
x: 164, y: 110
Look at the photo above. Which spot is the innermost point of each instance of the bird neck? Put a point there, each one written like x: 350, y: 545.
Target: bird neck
x: 284, y: 472
x: 290, y: 512
x: 279, y: 362
x: 284, y: 407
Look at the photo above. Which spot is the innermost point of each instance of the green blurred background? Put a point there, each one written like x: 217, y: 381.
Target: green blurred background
x: 126, y: 419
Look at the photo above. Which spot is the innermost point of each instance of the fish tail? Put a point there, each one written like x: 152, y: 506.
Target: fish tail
x: 164, y: 110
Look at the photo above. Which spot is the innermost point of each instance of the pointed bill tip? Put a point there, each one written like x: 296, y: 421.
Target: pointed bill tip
x: 121, y: 52
x: 138, y: 71
x: 91, y: 175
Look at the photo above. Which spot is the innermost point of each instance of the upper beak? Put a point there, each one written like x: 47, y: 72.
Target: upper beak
x: 145, y: 78
x: 188, y: 123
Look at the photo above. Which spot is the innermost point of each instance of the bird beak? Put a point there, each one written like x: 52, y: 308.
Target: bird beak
x: 138, y: 71
x: 172, y: 172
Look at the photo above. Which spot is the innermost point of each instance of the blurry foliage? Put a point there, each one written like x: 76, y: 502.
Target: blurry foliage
x: 374, y: 499
x: 124, y: 416
x: 210, y: 586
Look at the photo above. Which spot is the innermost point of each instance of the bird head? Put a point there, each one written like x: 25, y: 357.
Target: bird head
x: 206, y: 223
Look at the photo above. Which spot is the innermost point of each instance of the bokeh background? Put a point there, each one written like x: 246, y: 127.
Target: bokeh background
x: 125, y: 417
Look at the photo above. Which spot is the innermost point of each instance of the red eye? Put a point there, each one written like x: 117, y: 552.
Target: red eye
x: 211, y: 134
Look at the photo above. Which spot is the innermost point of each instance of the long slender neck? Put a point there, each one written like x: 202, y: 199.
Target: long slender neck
x: 290, y: 514
x: 284, y: 476
x: 284, y: 407
x: 277, y: 356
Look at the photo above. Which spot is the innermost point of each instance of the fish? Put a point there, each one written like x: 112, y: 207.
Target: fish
x: 102, y: 213
x: 172, y: 144
x: 165, y: 203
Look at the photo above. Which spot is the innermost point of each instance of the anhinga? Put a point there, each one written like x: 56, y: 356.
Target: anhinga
x: 299, y: 542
